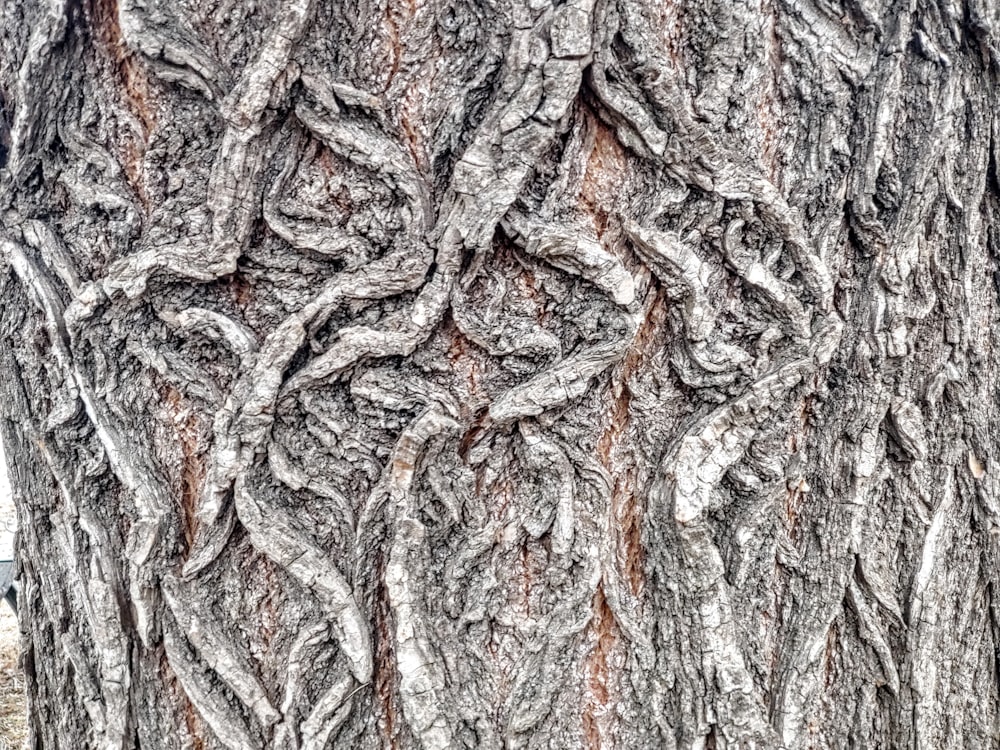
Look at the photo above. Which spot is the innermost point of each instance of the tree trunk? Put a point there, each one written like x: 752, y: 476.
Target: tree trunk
x: 458, y: 374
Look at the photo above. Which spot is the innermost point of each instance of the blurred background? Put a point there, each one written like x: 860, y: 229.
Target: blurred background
x: 12, y: 705
x: 8, y: 518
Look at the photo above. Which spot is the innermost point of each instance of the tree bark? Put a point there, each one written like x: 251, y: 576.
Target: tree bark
x: 443, y: 374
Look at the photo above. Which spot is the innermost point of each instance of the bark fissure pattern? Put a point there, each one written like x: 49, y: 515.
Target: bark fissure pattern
x: 437, y: 374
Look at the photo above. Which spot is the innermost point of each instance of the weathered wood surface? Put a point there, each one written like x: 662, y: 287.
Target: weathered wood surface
x: 444, y: 373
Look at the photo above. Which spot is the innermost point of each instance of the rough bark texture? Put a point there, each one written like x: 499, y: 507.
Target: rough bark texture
x: 466, y: 373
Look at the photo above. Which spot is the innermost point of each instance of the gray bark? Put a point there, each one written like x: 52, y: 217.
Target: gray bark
x: 607, y: 374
